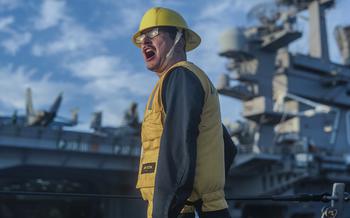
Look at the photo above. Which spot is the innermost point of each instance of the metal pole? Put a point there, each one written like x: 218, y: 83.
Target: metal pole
x: 338, y: 194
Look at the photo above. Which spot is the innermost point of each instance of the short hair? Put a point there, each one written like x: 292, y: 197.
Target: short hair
x: 169, y: 29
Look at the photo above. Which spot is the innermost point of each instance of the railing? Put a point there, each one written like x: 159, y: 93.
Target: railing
x: 52, y: 139
x: 335, y: 210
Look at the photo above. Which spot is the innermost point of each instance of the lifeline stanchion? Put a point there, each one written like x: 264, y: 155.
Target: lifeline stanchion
x: 336, y: 208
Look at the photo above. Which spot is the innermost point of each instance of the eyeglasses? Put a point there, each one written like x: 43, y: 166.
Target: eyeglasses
x: 150, y: 34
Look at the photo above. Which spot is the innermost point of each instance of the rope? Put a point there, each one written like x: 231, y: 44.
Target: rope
x: 299, y: 197
x: 70, y: 195
x: 325, y: 197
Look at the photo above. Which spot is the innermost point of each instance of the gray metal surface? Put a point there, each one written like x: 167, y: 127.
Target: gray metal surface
x: 40, y: 158
x: 296, y: 108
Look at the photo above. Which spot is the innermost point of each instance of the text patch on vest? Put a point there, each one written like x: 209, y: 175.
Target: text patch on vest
x: 148, y: 167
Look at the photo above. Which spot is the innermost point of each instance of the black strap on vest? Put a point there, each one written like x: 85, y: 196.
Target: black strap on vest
x: 197, y: 204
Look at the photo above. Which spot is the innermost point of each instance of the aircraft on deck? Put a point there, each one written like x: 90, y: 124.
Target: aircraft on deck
x: 40, y: 117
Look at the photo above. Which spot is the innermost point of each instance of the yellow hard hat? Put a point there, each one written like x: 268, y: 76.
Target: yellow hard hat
x: 157, y: 17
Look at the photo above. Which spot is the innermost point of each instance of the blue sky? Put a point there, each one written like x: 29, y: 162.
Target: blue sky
x: 83, y: 49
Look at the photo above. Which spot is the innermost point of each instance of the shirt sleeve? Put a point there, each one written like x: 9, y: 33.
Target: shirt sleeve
x: 183, y: 100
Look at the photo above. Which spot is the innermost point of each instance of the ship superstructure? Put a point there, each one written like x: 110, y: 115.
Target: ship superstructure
x: 296, y: 133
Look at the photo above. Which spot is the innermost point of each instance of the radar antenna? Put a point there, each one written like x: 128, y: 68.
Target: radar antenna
x: 266, y: 13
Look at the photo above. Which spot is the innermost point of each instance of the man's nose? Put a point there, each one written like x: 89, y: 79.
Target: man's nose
x: 146, y: 41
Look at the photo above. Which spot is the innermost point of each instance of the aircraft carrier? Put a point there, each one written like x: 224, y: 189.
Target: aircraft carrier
x: 39, y: 155
x: 294, y: 136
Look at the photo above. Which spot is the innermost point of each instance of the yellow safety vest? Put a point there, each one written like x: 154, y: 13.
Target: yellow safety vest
x: 209, y: 178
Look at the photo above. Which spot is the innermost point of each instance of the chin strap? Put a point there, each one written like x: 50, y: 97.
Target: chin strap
x: 171, y: 51
x: 177, y: 39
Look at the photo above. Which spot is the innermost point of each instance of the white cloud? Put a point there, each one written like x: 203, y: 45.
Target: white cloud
x: 76, y: 38
x: 96, y: 67
x: 213, y: 10
x: 207, y: 26
x: 166, y: 3
x: 218, y: 9
x: 125, y: 21
x: 13, y: 44
x: 206, y: 56
x: 9, y: 4
x: 51, y: 13
x: 131, y: 17
x: 72, y: 38
x: 246, y: 6
x: 13, y: 39
x: 112, y: 84
x: 15, y: 80
x: 124, y: 83
x: 5, y: 23
x: 106, y: 75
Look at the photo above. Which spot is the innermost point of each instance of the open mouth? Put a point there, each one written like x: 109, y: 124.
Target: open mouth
x: 149, y: 53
